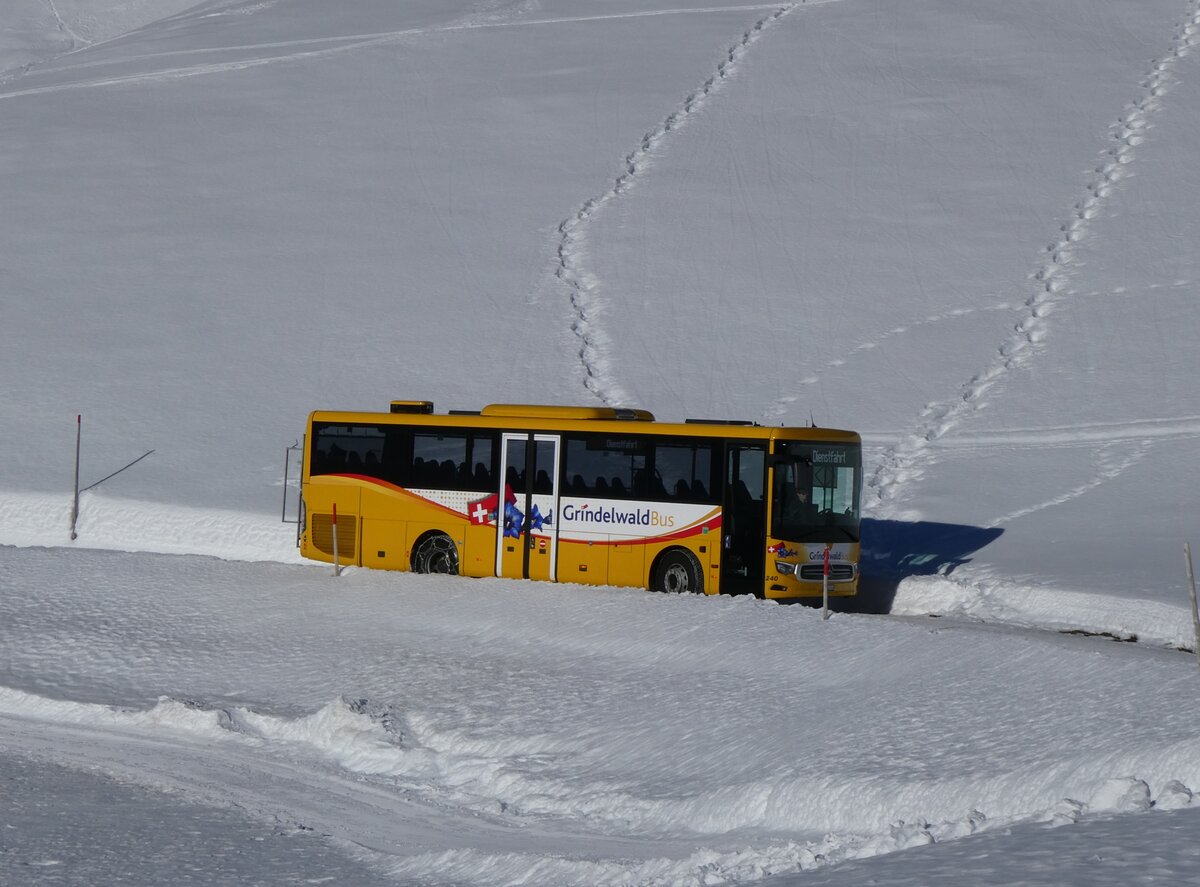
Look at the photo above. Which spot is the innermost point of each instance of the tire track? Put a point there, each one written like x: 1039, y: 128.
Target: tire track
x: 409, y: 829
x: 905, y: 463
x: 582, y: 286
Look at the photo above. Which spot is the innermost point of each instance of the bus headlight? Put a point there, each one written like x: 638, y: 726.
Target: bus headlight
x: 785, y: 569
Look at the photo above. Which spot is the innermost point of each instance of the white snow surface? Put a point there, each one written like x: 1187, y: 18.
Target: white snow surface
x: 966, y: 230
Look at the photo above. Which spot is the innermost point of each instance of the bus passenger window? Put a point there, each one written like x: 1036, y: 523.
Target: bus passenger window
x: 682, y: 470
x: 347, y: 449
x: 606, y: 466
x: 482, y: 446
x: 453, y: 460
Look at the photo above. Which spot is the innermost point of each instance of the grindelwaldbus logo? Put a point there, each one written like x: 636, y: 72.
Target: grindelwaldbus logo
x: 634, y: 517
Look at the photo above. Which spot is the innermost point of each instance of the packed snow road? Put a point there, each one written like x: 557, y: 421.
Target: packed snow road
x: 485, y: 731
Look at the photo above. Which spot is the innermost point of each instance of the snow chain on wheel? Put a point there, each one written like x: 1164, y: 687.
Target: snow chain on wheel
x: 436, y: 553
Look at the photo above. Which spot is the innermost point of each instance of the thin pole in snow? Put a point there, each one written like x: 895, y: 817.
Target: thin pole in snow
x: 337, y: 570
x: 1187, y: 552
x: 75, y: 501
x: 287, y: 454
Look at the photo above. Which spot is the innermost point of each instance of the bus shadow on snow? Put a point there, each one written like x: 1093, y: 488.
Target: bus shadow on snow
x: 894, y: 550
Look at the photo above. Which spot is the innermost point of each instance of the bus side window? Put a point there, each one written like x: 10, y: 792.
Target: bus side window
x: 682, y: 470
x: 606, y: 466
x: 349, y: 449
x: 452, y: 460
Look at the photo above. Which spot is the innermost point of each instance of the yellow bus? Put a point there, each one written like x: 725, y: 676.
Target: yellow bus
x: 594, y: 495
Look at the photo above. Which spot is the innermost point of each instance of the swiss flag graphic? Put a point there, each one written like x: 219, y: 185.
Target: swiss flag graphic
x: 483, y: 511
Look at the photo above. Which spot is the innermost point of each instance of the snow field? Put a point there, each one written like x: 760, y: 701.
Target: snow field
x: 35, y: 519
x: 965, y: 230
x: 507, y: 701
x: 79, y: 827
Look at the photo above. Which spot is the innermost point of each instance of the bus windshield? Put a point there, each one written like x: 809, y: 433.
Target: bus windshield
x: 817, y: 491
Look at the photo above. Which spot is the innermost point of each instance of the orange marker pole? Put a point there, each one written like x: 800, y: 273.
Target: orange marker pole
x: 825, y: 586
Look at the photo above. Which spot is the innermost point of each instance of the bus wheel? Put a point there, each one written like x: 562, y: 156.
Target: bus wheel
x: 679, y: 573
x: 435, y: 553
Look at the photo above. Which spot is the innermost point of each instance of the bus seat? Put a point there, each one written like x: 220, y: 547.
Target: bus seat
x: 483, y: 477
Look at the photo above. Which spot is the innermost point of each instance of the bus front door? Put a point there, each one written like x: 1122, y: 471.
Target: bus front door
x: 527, y: 523
x: 743, y: 530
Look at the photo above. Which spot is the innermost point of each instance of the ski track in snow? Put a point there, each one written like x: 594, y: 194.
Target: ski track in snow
x: 1142, y: 430
x: 1107, y: 468
x: 321, y: 47
x: 571, y: 255
x: 1054, y: 436
x: 903, y: 464
x: 778, y: 409
x: 775, y: 413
